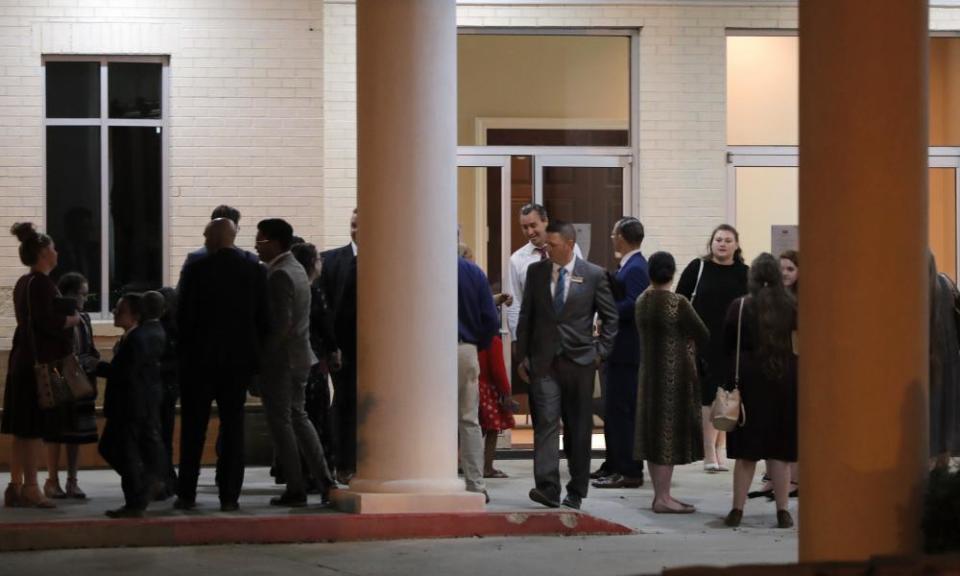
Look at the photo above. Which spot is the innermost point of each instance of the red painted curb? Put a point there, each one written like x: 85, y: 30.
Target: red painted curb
x: 328, y: 527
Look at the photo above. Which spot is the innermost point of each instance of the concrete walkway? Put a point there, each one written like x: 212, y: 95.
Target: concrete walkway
x: 660, y: 540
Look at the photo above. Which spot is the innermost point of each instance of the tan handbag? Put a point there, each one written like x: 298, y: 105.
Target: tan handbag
x: 58, y: 382
x: 727, y: 410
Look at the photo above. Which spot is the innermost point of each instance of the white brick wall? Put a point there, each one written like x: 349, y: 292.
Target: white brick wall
x: 263, y: 107
x: 246, y: 108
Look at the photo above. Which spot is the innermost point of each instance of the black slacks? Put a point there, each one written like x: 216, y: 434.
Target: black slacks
x: 197, y: 394
x: 134, y: 449
x: 344, y: 416
x: 620, y: 418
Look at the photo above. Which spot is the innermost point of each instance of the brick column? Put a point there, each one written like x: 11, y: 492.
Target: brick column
x: 407, y: 117
x: 864, y: 303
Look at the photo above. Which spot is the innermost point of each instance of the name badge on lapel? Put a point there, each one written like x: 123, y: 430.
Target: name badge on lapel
x: 577, y: 279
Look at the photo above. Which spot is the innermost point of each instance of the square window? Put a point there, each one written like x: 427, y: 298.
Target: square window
x: 73, y: 89
x: 134, y: 90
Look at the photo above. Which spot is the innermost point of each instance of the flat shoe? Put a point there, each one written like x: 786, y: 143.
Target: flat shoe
x: 668, y: 510
x: 541, y: 498
x: 733, y: 518
x: 52, y: 489
x: 784, y: 519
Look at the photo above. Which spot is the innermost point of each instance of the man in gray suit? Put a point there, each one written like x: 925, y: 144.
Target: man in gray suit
x: 287, y: 358
x: 559, y: 356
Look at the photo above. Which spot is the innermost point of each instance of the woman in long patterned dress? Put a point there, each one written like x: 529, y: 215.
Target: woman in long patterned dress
x: 668, y: 427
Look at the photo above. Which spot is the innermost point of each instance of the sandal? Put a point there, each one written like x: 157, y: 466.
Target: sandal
x: 11, y: 496
x: 31, y: 497
x: 73, y: 490
x: 52, y: 489
x: 495, y: 474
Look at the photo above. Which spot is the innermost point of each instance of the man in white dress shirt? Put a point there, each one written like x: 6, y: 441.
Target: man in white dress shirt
x: 533, y: 223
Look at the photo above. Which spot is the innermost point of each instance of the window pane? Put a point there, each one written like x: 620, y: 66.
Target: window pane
x: 944, y: 91
x: 136, y: 243
x: 73, y: 89
x: 943, y: 219
x: 536, y: 83
x: 766, y: 197
x: 763, y: 90
x: 73, y: 203
x: 134, y: 90
x: 592, y: 200
x: 479, y: 215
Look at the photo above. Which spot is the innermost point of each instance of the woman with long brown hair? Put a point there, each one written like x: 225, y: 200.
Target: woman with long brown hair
x: 759, y: 332
x: 43, y: 334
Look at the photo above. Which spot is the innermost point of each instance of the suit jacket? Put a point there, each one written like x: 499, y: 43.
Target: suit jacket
x: 633, y: 278
x: 335, y: 267
x: 133, y: 376
x: 287, y: 345
x: 222, y: 316
x: 542, y: 334
x: 202, y: 251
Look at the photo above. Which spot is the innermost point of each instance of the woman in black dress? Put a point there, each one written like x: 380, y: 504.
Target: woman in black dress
x: 710, y: 283
x: 43, y: 335
x: 768, y: 385
x: 78, y: 419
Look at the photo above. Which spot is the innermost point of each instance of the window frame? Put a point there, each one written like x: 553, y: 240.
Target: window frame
x: 104, y: 122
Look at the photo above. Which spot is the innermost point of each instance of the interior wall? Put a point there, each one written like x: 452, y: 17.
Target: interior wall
x: 944, y: 91
x: 507, y: 76
x: 763, y: 90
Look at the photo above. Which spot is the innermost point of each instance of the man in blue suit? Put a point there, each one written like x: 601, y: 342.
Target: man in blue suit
x: 624, y: 362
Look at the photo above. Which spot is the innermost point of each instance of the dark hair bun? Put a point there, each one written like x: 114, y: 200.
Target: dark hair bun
x: 24, y: 231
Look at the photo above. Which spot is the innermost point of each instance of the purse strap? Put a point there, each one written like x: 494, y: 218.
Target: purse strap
x: 736, y: 373
x: 697, y: 285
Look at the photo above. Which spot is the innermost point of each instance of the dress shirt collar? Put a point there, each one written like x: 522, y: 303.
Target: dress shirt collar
x: 279, y: 257
x: 353, y: 245
x: 568, y: 267
x: 626, y: 257
x: 534, y: 251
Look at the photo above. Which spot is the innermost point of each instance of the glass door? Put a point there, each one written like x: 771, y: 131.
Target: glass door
x: 590, y: 192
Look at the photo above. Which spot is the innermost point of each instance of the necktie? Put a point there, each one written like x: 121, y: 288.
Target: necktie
x: 558, y: 292
x: 542, y: 252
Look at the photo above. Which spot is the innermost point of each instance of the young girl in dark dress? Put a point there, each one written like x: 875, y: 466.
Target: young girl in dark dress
x: 711, y: 283
x: 43, y: 335
x: 78, y: 419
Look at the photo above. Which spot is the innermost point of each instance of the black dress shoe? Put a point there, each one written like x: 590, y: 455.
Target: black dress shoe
x: 572, y: 501
x: 184, y: 504
x: 289, y: 499
x: 229, y: 506
x: 540, y: 498
x: 125, y: 512
x: 618, y: 481
x: 600, y: 472
x: 760, y: 494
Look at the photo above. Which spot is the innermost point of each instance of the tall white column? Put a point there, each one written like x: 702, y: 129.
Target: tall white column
x: 864, y: 296
x: 407, y: 266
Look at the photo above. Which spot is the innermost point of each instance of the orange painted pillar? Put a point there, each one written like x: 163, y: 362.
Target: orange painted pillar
x: 864, y: 302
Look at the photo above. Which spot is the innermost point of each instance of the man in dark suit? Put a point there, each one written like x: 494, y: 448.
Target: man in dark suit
x: 286, y: 360
x: 221, y: 211
x: 559, y: 356
x: 338, y: 277
x: 222, y: 318
x: 623, y: 365
x: 131, y: 441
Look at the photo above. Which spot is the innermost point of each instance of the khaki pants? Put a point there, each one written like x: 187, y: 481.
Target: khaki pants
x: 468, y: 426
